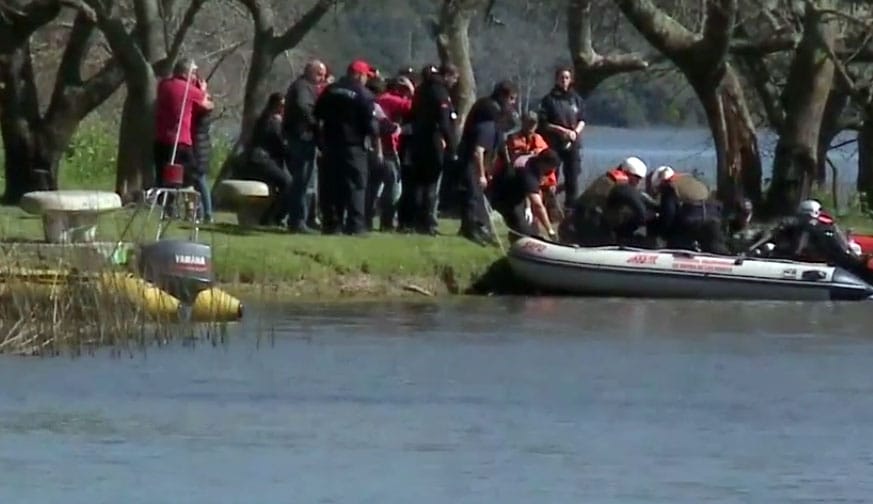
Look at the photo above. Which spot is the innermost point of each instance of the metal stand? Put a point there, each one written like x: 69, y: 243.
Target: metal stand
x: 180, y: 203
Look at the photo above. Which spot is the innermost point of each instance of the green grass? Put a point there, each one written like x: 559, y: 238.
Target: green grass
x: 275, y: 257
x: 90, y: 160
x: 264, y: 256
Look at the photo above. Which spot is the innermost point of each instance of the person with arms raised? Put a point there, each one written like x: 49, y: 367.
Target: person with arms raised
x: 179, y: 98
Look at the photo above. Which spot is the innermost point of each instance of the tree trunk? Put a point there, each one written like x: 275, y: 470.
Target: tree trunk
x: 256, y: 91
x: 263, y: 55
x: 135, y: 165
x: 453, y: 46
x: 738, y: 161
x: 810, y: 80
x: 28, y: 165
x: 864, y: 182
x: 831, y: 126
x: 703, y: 59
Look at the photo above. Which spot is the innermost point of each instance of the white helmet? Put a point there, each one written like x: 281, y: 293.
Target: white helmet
x: 809, y: 208
x: 661, y: 174
x: 634, y: 166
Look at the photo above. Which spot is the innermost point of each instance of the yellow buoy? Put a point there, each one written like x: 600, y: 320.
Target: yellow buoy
x: 216, y: 305
x: 210, y: 305
x: 138, y: 292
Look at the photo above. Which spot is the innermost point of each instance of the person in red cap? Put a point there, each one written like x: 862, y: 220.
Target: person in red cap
x: 345, y: 112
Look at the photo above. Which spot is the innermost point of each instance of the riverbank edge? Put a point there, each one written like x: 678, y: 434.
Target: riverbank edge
x: 494, y: 278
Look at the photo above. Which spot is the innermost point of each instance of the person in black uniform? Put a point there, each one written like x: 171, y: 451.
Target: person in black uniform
x: 562, y: 119
x: 481, y: 141
x: 346, y: 112
x: 433, y: 142
x: 518, y: 187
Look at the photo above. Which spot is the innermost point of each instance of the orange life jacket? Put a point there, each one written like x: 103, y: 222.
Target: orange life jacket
x: 618, y: 176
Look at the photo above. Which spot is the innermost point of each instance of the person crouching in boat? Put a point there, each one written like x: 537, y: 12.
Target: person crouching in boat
x: 813, y: 236
x: 612, y: 208
x: 687, y: 217
x: 518, y: 188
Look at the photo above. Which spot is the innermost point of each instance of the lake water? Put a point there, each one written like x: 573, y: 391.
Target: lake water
x: 512, y: 400
x: 692, y: 149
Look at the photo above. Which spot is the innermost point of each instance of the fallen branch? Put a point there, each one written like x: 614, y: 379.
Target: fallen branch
x: 417, y: 289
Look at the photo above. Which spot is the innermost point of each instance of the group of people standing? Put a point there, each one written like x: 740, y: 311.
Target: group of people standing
x: 338, y: 153
x: 361, y: 146
x: 364, y: 146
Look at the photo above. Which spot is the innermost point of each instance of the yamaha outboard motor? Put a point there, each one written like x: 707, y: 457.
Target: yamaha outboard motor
x: 181, y: 268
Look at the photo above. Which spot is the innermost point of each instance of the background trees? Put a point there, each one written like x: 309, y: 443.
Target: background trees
x: 798, y: 68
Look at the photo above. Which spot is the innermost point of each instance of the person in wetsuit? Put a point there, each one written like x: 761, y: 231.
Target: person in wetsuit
x: 687, y: 217
x: 611, y: 209
x: 811, y: 236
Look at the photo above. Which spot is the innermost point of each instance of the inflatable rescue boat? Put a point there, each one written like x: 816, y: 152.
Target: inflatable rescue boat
x: 629, y: 272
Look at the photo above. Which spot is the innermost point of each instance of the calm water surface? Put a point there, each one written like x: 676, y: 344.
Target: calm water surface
x: 475, y: 401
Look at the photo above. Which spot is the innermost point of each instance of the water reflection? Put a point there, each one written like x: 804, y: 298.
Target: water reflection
x: 510, y: 400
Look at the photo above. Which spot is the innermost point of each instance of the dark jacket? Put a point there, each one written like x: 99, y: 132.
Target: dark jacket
x: 202, y: 142
x: 562, y: 108
x: 346, y: 110
x: 433, y: 116
x: 811, y: 239
x: 268, y: 140
x: 299, y: 120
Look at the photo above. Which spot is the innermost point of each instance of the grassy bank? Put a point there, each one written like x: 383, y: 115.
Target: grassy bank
x: 276, y: 263
x: 272, y: 261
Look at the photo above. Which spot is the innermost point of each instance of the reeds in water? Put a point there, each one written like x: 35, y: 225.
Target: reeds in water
x: 45, y: 312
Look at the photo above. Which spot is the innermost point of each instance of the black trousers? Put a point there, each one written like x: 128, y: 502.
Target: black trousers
x: 406, y: 204
x: 271, y: 172
x: 428, y: 160
x: 474, y: 216
x: 184, y: 156
x: 343, y: 188
x: 707, y: 233
x: 513, y: 217
x: 571, y: 168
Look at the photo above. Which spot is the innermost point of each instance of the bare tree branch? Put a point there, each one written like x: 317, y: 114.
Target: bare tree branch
x: 718, y: 26
x: 17, y: 23
x: 186, y: 23
x: 295, y: 33
x: 661, y: 30
x: 592, y: 68
x: 225, y: 52
x: 775, y: 43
